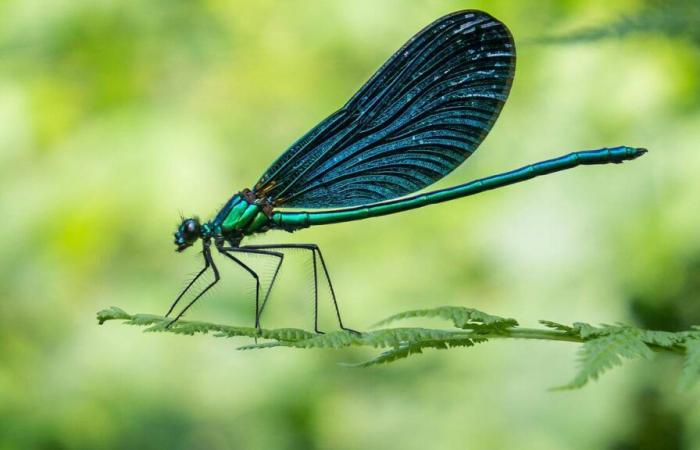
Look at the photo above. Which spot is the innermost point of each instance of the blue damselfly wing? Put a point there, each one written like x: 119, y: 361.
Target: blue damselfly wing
x: 418, y: 117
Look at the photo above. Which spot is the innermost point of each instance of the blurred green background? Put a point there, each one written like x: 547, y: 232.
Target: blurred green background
x: 116, y: 115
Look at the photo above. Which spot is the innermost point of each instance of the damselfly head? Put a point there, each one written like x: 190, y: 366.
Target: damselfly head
x: 187, y: 233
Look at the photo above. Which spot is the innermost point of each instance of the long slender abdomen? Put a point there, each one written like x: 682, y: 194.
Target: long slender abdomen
x: 291, y: 221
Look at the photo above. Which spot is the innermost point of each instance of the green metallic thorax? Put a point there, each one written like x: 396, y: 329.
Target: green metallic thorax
x: 246, y: 218
x: 241, y: 216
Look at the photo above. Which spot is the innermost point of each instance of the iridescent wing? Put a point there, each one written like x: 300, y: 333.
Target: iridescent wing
x: 421, y: 115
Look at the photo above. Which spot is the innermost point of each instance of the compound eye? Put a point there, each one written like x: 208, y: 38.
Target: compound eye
x: 191, y: 227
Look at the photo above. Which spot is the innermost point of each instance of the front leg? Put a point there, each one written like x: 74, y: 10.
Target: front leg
x: 189, y: 285
x: 209, y: 262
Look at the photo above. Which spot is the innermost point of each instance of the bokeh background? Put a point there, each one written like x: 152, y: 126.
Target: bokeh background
x: 117, y: 115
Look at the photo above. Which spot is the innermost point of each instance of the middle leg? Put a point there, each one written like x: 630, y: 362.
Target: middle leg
x: 313, y: 248
x: 226, y: 251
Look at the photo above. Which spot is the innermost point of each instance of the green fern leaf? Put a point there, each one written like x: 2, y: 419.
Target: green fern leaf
x: 394, y: 337
x: 286, y: 334
x: 606, y: 351
x: 664, y: 339
x: 403, y: 351
x: 261, y: 346
x: 337, y: 339
x: 158, y: 324
x: 558, y: 326
x: 407, y: 349
x: 112, y: 313
x: 586, y: 331
x: 146, y: 319
x: 466, y: 318
x: 691, y: 365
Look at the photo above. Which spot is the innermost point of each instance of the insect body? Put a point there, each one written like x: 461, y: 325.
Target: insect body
x: 423, y: 113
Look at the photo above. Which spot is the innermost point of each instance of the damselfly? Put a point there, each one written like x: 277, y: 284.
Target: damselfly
x: 421, y: 115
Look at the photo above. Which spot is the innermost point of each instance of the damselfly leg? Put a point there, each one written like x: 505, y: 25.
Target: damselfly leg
x: 313, y: 248
x: 226, y: 251
x: 191, y: 283
x: 208, y: 261
x: 267, y: 250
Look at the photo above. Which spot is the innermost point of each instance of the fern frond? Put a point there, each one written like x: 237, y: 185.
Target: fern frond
x: 585, y: 330
x: 605, y: 352
x: 558, y: 326
x: 691, y: 365
x: 461, y: 317
x: 403, y: 351
x: 260, y: 346
x: 664, y: 339
x: 407, y: 349
x: 112, y: 313
x: 186, y: 327
x: 604, y: 346
x: 389, y: 337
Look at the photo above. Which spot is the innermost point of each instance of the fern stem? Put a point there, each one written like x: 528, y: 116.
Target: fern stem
x: 533, y: 333
x: 556, y: 335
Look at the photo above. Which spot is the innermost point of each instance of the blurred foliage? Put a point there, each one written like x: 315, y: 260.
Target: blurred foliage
x: 114, y: 115
x: 671, y: 18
